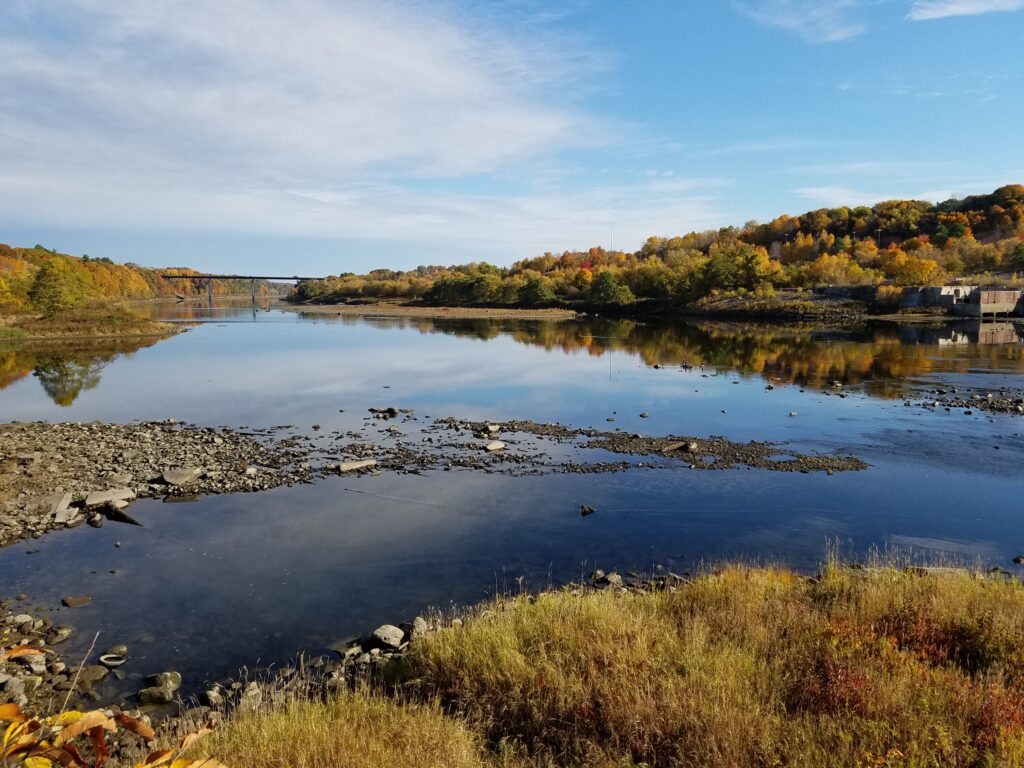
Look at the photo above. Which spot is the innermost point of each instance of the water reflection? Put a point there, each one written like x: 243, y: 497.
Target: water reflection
x: 879, y: 357
x: 65, y: 370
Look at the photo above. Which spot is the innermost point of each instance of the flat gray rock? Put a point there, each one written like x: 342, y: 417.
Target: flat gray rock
x: 354, y: 466
x: 182, y: 475
x: 388, y: 636
x: 96, y: 498
x: 61, y: 510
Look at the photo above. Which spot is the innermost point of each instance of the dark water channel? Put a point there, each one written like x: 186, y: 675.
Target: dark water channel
x: 226, y: 581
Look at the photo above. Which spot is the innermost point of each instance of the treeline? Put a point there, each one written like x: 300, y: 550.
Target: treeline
x: 43, y: 280
x: 899, y: 242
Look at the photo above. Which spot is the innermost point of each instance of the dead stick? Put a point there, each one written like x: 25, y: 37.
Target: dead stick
x: 78, y: 672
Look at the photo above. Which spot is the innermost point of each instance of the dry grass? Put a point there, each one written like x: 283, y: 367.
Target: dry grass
x: 351, y: 731
x: 748, y: 667
x: 90, y: 323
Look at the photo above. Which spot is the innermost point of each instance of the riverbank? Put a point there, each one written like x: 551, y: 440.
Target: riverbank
x: 744, y: 666
x: 80, y: 325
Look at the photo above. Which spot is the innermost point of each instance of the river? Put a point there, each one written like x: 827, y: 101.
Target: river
x: 225, y: 581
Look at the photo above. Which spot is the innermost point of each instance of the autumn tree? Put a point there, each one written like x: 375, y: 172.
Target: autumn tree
x: 57, y: 287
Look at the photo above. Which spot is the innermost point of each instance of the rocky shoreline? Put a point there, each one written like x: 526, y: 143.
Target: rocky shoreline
x: 58, y: 476
x: 36, y: 676
x: 55, y: 476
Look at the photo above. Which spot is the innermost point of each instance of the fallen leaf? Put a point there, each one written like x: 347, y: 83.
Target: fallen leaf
x: 88, y: 721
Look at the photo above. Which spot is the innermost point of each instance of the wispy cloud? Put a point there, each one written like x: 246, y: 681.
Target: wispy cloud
x: 925, y: 10
x: 817, y: 21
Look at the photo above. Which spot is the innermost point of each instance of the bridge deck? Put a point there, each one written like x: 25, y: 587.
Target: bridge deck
x: 237, y: 277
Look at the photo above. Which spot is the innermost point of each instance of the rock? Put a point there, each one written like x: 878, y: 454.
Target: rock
x: 96, y: 498
x: 96, y: 521
x: 116, y: 650
x: 62, y: 510
x: 496, y: 445
x: 586, y: 509
x: 645, y: 415
x: 419, y: 627
x: 181, y: 476
x: 609, y: 580
x: 171, y: 680
x: 388, y: 636
x: 355, y: 466
x: 792, y: 413
x: 251, y: 698
x: 36, y: 663
x: 76, y: 601
x: 1019, y: 560
x: 156, y: 695
x: 493, y: 428
x: 214, y: 698
x: 59, y: 634
x: 92, y: 674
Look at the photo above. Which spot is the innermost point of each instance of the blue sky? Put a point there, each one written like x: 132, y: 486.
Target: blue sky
x: 320, y: 136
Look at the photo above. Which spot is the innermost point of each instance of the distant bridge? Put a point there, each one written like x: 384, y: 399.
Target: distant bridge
x: 251, y: 278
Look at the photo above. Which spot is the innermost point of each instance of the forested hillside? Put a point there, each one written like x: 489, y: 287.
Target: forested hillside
x: 39, y: 279
x: 899, y: 242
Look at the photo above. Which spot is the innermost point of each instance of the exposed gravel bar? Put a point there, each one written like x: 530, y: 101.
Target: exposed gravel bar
x: 62, y: 475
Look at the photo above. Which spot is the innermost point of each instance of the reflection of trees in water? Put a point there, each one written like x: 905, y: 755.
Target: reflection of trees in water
x: 879, y: 357
x: 64, y: 380
x: 65, y: 369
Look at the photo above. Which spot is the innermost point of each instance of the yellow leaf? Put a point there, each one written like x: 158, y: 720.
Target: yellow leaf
x: 89, y: 720
x: 136, y: 726
x: 66, y: 718
x: 37, y: 762
x: 10, y: 713
x: 157, y: 758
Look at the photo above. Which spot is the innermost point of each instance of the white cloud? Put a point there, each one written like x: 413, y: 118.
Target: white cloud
x: 817, y: 21
x: 924, y: 10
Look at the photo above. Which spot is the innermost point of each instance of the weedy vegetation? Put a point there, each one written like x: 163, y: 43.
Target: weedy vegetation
x: 879, y: 667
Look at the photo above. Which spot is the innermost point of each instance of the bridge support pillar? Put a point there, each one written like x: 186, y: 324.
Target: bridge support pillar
x: 209, y: 291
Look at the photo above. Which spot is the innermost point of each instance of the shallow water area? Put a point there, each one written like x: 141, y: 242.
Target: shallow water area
x: 225, y: 581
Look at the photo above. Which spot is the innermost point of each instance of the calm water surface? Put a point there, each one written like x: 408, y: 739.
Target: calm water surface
x: 207, y: 587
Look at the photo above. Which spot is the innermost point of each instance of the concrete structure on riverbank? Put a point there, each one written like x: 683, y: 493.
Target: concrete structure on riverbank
x: 966, y: 300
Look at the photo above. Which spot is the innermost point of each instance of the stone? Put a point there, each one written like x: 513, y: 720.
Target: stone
x: 92, y: 674
x: 170, y: 680
x: 355, y: 466
x: 36, y: 663
x: 418, y: 628
x: 496, y: 445
x: 388, y: 636
x: 59, y: 634
x: 1019, y: 560
x: 156, y: 695
x: 76, y: 601
x: 214, y: 698
x: 586, y: 510
x: 251, y: 698
x: 116, y: 650
x: 182, y: 475
x: 96, y: 498
x: 62, y: 510
x: 493, y: 428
